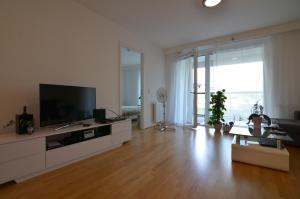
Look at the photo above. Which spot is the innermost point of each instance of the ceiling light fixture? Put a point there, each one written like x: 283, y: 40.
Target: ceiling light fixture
x: 211, y: 3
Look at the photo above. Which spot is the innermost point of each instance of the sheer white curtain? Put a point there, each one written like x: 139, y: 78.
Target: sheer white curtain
x: 180, y: 101
x: 282, y: 74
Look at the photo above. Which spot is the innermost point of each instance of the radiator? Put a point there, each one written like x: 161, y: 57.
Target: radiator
x: 158, y: 112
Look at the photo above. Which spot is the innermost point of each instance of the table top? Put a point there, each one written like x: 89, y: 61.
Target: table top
x: 10, y: 137
x: 250, y: 131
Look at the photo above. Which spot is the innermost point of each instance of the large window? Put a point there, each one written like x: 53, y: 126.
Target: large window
x: 240, y: 73
x: 237, y: 70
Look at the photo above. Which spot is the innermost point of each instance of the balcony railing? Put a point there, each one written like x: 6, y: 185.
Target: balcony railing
x: 238, y: 105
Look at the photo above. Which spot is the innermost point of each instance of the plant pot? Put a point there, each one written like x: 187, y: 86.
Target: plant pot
x: 218, y: 127
x: 226, y: 129
x: 30, y: 130
x: 257, y: 122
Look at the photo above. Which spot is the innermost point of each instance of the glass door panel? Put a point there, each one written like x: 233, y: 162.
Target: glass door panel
x: 240, y: 73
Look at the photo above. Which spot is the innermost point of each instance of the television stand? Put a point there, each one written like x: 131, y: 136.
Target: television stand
x: 66, y: 125
x: 25, y: 156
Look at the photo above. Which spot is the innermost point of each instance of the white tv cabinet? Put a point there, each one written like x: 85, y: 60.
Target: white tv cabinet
x: 26, y: 156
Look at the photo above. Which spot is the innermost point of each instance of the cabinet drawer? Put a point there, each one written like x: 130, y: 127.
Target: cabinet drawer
x: 21, y: 167
x: 21, y: 149
x: 121, y: 126
x: 72, y: 152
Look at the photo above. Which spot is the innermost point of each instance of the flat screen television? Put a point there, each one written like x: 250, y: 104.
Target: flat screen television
x: 65, y: 104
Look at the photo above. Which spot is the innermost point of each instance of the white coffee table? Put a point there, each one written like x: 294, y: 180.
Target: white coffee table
x: 246, y: 148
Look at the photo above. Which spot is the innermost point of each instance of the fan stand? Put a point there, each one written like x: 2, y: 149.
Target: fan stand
x: 162, y: 126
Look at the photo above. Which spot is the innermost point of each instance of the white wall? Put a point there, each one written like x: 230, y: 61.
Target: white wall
x: 62, y: 42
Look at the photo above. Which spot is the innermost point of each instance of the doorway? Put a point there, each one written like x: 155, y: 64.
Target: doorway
x: 131, y: 95
x: 201, y: 88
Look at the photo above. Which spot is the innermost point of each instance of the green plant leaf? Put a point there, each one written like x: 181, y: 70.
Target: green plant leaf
x: 217, y: 108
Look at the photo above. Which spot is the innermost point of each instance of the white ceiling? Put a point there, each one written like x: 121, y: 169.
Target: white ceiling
x: 168, y: 23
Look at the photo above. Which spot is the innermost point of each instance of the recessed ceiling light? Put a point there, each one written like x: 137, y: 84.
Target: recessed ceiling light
x: 211, y: 3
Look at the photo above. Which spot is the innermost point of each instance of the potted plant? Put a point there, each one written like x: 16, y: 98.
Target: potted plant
x: 217, y: 109
x: 28, y: 125
x: 257, y: 108
x: 257, y: 116
x: 227, y: 127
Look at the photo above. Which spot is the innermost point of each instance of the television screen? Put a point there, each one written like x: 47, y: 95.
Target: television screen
x: 65, y: 104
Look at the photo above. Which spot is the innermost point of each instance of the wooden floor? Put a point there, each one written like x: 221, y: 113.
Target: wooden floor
x: 185, y: 164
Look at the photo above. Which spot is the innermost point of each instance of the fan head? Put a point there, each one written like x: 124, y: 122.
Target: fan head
x: 161, y: 95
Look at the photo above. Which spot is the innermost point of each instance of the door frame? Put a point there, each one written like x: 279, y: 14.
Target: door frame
x: 206, y: 54
x: 125, y: 45
x: 195, y: 100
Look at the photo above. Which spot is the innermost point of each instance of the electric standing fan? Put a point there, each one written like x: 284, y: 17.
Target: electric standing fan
x: 161, y: 96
